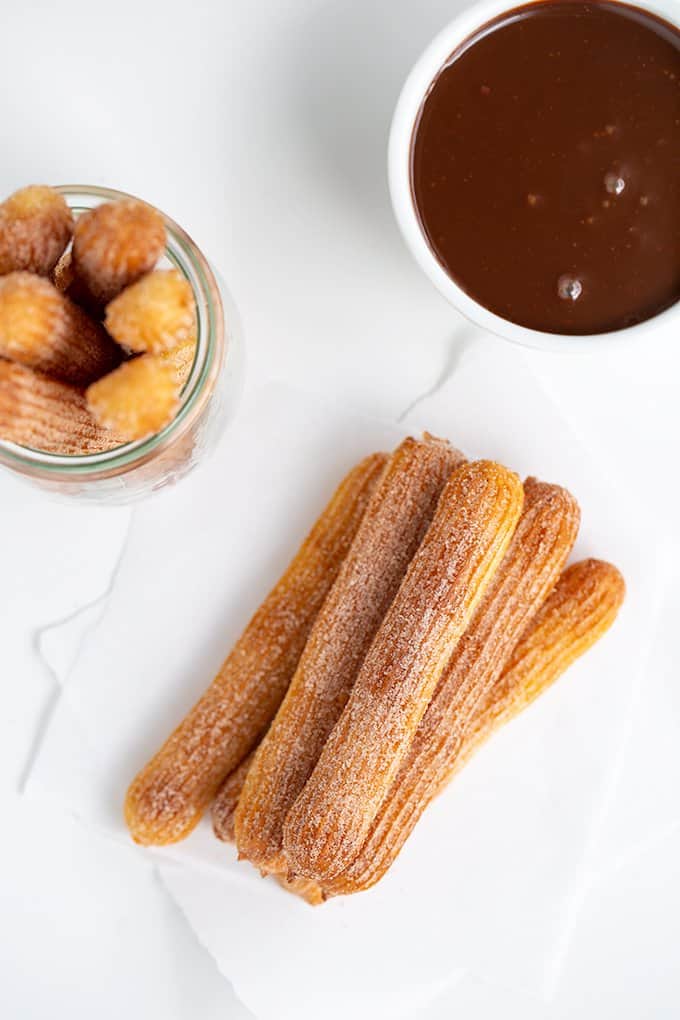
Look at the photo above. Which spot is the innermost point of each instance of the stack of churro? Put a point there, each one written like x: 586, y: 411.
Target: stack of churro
x: 96, y: 343
x: 429, y: 605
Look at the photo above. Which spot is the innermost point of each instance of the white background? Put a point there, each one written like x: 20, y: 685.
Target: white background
x: 261, y: 127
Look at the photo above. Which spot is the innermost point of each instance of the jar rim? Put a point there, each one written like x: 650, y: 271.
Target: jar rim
x: 186, y: 256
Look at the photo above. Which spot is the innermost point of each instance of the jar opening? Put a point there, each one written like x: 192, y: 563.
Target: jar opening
x: 184, y: 255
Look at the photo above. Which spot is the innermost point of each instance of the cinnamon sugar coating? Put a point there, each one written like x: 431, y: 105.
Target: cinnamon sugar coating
x: 529, y: 571
x: 113, y: 246
x: 136, y: 400
x: 469, y: 535
x: 156, y: 314
x: 396, y: 519
x: 169, y: 796
x: 42, y: 329
x: 35, y: 227
x: 44, y: 414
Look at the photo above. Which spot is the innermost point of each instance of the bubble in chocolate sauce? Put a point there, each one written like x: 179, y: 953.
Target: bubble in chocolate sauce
x: 569, y: 287
x: 614, y: 184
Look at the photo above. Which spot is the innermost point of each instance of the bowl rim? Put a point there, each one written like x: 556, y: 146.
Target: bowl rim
x: 413, y: 93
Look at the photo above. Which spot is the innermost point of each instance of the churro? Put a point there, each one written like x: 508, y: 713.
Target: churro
x: 45, y: 414
x: 223, y: 811
x: 169, y: 796
x: 470, y: 533
x: 42, y: 329
x: 35, y: 226
x: 529, y: 571
x: 136, y: 400
x: 155, y: 314
x: 113, y: 246
x: 580, y: 610
x: 396, y: 519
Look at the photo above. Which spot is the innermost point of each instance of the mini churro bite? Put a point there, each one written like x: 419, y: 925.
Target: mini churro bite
x: 138, y: 399
x: 113, y: 246
x: 156, y: 314
x: 43, y: 329
x: 45, y: 414
x: 35, y: 227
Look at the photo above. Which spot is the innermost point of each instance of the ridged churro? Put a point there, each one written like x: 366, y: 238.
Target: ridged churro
x: 470, y: 533
x: 35, y: 226
x: 169, y: 796
x: 113, y: 246
x: 396, y: 519
x: 529, y: 571
x: 156, y: 314
x: 582, y: 608
x: 136, y: 400
x: 42, y: 329
x: 45, y: 414
x: 223, y: 811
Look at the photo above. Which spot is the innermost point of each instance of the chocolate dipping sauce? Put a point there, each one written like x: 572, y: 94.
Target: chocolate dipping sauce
x: 546, y: 166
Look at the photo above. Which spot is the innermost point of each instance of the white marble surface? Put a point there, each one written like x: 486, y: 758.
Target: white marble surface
x: 261, y: 127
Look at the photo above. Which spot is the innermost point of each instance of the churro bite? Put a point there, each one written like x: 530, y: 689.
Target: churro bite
x: 35, y: 227
x: 113, y: 246
x: 136, y: 400
x: 155, y: 315
x: 43, y: 329
x: 45, y: 414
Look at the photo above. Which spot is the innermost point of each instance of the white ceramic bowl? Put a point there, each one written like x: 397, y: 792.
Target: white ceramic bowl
x: 406, y: 112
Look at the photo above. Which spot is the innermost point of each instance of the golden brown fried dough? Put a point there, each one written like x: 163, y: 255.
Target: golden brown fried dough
x: 42, y: 329
x: 156, y: 314
x: 113, y: 246
x: 582, y: 608
x: 35, y: 226
x: 396, y: 519
x: 138, y: 399
x: 469, y: 535
x: 223, y: 811
x: 169, y: 796
x: 44, y: 414
x: 539, y: 549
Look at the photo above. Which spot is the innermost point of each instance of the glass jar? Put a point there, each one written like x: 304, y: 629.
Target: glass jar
x: 208, y: 398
